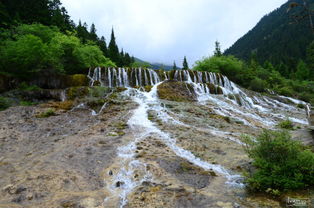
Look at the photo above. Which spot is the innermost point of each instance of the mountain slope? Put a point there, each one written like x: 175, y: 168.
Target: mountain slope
x: 276, y: 38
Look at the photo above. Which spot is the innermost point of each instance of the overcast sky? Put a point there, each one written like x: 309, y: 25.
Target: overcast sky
x: 166, y: 30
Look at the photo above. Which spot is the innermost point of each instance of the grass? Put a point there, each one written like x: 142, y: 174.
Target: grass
x: 286, y: 124
x: 46, y: 114
x: 4, y: 103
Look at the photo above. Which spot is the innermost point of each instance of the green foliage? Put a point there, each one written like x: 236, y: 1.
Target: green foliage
x: 275, y: 39
x: 185, y: 64
x: 287, y: 124
x: 258, y: 85
x: 174, y: 66
x: 282, y: 164
x: 303, y: 72
x: 38, y: 48
x: 137, y: 64
x: 227, y: 65
x: 25, y: 87
x: 258, y: 78
x: 46, y: 114
x: 26, y: 55
x: 4, y: 103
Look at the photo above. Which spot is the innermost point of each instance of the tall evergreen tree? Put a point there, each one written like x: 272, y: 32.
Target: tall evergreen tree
x: 103, y: 46
x: 217, y: 51
x: 185, y: 63
x: 302, y: 72
x: 113, y: 49
x: 310, y: 59
x: 174, y: 66
x: 92, y: 33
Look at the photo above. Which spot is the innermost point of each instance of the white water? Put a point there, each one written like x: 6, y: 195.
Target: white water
x: 249, y: 110
x: 142, y: 128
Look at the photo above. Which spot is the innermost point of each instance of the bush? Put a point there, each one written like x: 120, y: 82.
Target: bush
x: 227, y: 65
x: 281, y: 163
x: 287, y: 124
x: 258, y: 85
x: 46, y: 114
x: 4, y: 103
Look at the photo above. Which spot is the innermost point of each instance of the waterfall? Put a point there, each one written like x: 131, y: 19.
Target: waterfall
x: 123, y: 182
x: 205, y: 84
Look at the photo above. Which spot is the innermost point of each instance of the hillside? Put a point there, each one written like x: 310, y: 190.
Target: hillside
x: 276, y: 38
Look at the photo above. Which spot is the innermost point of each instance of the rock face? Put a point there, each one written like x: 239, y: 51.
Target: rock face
x: 176, y: 91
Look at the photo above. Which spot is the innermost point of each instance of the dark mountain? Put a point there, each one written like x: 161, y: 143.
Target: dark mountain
x: 277, y: 37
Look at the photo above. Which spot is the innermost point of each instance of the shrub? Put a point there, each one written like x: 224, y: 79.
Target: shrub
x: 46, y: 114
x: 282, y: 164
x: 4, y: 103
x: 287, y: 124
x: 258, y: 85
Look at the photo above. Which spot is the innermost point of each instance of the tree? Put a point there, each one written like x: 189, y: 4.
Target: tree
x: 113, y: 50
x: 185, y: 64
x: 174, y: 66
x: 217, y: 51
x: 310, y: 59
x: 302, y: 72
x: 103, y: 46
x: 92, y: 33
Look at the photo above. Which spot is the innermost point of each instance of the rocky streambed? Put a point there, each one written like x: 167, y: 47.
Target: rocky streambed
x: 134, y: 149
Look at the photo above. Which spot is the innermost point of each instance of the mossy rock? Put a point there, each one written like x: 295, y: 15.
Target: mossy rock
x: 78, y: 80
x: 176, y: 91
x: 66, y: 105
x: 213, y: 89
x: 76, y: 92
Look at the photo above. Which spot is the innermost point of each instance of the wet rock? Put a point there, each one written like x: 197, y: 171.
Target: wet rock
x: 186, y: 172
x: 176, y: 91
x: 119, y: 184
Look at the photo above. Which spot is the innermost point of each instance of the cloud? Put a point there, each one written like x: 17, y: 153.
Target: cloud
x: 167, y: 30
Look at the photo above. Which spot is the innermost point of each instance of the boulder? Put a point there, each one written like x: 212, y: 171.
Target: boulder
x: 176, y: 91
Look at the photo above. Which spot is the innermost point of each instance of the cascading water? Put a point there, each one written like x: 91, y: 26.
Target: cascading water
x: 124, y: 182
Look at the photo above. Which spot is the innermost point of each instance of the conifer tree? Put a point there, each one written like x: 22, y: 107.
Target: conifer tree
x: 217, y: 51
x: 92, y: 32
x: 113, y: 50
x: 185, y: 64
x: 103, y: 46
x: 174, y: 66
x: 302, y: 72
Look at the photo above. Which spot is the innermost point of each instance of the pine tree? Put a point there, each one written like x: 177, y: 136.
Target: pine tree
x: 185, y: 64
x: 302, y: 72
x: 92, y: 33
x: 310, y: 59
x: 103, y: 46
x: 217, y: 51
x: 174, y: 66
x: 113, y: 50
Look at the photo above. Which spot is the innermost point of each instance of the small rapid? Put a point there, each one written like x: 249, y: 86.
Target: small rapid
x: 123, y: 181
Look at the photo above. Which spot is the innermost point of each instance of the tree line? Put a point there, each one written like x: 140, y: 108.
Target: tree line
x: 35, y: 29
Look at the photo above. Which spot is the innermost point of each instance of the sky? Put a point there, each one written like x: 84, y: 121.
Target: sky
x: 164, y: 31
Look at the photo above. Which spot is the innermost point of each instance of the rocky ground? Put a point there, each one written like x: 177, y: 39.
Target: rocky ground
x: 69, y: 159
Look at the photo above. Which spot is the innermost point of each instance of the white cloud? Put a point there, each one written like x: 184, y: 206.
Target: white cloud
x: 166, y: 30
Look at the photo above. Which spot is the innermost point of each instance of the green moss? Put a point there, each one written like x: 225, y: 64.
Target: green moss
x: 121, y: 125
x: 46, y: 114
x: 27, y: 103
x: 77, y: 92
x: 148, y: 88
x: 287, y: 124
x: 4, y: 103
x: 176, y: 91
x: 78, y: 80
x: 25, y: 87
